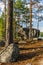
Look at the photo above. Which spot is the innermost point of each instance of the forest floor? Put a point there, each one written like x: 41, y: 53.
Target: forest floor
x: 30, y: 54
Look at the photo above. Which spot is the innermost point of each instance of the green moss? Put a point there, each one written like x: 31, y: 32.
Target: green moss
x: 41, y: 34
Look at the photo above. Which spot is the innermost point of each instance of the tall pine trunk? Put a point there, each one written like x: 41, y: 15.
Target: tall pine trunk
x: 30, y: 19
x: 5, y: 16
x: 9, y: 23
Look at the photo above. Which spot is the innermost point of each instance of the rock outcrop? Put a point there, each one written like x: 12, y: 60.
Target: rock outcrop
x: 9, y: 54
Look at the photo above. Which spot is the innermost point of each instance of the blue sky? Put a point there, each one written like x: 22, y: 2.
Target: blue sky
x: 40, y: 23
x: 35, y: 23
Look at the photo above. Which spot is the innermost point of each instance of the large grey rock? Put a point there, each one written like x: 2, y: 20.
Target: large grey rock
x: 9, y: 54
x: 15, y: 53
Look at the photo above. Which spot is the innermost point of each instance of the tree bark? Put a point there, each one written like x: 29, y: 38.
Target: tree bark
x: 9, y: 23
x: 30, y: 19
x: 5, y: 16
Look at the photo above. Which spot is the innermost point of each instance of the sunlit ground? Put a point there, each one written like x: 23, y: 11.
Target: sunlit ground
x: 31, y: 57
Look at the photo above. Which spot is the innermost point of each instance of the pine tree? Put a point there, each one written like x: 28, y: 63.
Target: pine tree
x: 9, y: 23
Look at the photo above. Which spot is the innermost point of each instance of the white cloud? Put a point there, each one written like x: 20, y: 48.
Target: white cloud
x: 1, y: 8
x: 27, y: 5
x: 40, y: 14
x: 41, y: 29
